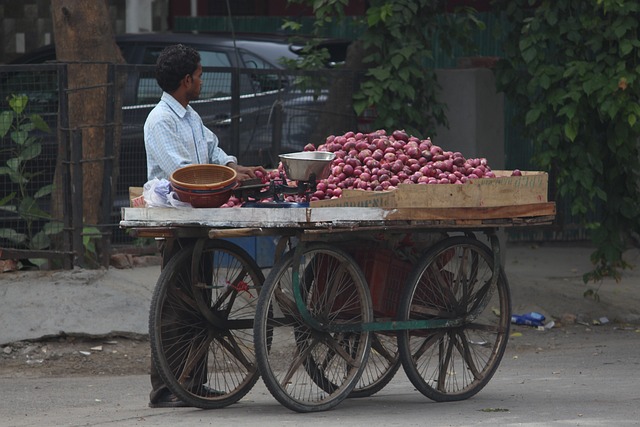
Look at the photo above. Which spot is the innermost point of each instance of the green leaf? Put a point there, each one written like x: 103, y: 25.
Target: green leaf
x: 404, y: 74
x: 626, y: 47
x: 380, y: 73
x: 529, y: 55
x: 40, y: 241
x: 360, y: 106
x: 6, y: 119
x: 6, y: 199
x: 632, y: 119
x: 53, y: 227
x: 30, y: 210
x: 397, y: 61
x: 19, y: 137
x: 31, y: 152
x: 18, y: 103
x: 13, y: 235
x: 532, y: 116
x: 44, y: 191
x: 571, y: 130
x: 545, y: 81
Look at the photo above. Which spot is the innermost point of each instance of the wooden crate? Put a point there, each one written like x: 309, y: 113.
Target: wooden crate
x: 504, y: 190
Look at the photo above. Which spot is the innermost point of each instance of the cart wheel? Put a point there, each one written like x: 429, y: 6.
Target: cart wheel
x: 201, y: 324
x: 382, y: 365
x: 311, y: 369
x: 454, y: 282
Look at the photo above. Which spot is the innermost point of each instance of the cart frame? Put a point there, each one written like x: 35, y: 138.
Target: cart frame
x: 304, y: 231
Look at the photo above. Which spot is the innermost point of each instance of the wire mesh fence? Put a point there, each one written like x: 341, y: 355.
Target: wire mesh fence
x: 256, y: 114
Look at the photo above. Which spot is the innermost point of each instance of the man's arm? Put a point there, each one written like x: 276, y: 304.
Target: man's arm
x: 219, y: 156
x: 246, y: 172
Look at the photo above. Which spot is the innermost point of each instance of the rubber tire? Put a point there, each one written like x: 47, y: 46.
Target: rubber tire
x: 232, y: 368
x: 287, y: 344
x: 454, y: 363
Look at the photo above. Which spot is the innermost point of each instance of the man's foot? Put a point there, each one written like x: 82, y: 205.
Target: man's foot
x: 168, y: 400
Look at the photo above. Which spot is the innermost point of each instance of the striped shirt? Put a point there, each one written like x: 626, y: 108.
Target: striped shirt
x: 175, y: 137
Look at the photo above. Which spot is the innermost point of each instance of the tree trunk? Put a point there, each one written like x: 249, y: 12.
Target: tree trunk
x: 84, y: 38
x: 338, y: 116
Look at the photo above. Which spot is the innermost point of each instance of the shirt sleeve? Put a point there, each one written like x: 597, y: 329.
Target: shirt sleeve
x: 216, y: 154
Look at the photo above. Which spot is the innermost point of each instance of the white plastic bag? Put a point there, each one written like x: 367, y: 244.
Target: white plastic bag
x: 157, y: 194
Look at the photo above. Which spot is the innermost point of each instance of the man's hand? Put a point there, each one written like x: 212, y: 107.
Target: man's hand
x: 247, y: 172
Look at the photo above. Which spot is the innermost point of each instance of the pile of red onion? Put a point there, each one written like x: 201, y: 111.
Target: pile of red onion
x: 377, y: 161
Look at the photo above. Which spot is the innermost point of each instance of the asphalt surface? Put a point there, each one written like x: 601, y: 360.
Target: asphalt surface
x: 576, y: 376
x: 584, y: 373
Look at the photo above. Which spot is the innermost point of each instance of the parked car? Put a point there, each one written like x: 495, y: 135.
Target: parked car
x: 263, y: 86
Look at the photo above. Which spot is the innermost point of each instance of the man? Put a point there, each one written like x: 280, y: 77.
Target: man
x: 174, y: 137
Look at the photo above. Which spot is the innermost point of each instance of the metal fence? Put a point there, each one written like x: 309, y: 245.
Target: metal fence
x: 256, y: 114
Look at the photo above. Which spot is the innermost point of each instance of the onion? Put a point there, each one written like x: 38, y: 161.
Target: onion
x: 377, y: 161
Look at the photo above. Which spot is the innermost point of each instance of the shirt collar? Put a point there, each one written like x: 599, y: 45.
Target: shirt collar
x: 174, y: 104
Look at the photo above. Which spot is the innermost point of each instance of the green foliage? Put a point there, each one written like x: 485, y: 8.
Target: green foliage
x: 399, y: 36
x: 89, y: 237
x: 18, y: 140
x: 573, y: 68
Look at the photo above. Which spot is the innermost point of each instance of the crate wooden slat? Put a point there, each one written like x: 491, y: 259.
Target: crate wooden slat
x: 504, y: 190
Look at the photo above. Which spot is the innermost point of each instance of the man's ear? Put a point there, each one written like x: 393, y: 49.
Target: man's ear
x: 186, y: 80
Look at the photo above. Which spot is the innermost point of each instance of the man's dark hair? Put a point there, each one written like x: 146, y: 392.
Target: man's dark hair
x: 175, y: 62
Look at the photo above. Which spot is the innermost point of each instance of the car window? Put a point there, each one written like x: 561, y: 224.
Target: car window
x: 215, y: 84
x: 262, y: 82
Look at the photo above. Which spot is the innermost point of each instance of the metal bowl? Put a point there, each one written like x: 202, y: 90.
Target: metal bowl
x: 307, y: 165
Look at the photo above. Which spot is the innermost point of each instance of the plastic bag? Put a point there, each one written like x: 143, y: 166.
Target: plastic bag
x: 157, y: 194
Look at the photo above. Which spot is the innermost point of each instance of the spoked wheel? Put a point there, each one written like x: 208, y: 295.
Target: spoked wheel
x: 201, y: 323
x: 453, y: 283
x: 382, y: 365
x: 312, y: 364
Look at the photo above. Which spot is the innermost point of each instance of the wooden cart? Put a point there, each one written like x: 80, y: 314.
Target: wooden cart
x: 333, y: 318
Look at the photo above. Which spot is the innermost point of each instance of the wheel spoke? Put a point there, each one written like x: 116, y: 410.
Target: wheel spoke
x: 456, y: 278
x: 339, y: 350
x: 326, y: 364
x: 462, y: 345
x: 191, y: 340
x: 444, y: 362
x: 195, y: 355
x: 298, y: 359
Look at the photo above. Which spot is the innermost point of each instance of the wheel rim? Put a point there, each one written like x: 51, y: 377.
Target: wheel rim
x: 455, y: 363
x: 205, y: 328
x: 306, y: 369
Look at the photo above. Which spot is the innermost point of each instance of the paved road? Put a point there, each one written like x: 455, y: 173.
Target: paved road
x: 575, y: 376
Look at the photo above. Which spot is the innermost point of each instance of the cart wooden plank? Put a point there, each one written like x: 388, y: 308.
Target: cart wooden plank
x: 341, y: 217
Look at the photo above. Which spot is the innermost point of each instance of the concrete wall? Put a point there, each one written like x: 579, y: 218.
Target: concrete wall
x: 26, y: 25
x: 475, y: 113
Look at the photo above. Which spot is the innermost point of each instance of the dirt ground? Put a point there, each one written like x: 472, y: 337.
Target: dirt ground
x: 557, y: 292
x: 125, y: 355
x: 76, y: 356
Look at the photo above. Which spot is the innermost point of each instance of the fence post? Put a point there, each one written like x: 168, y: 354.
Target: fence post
x: 235, y: 112
x: 108, y: 181
x: 77, y: 196
x: 276, y: 131
x: 64, y: 139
